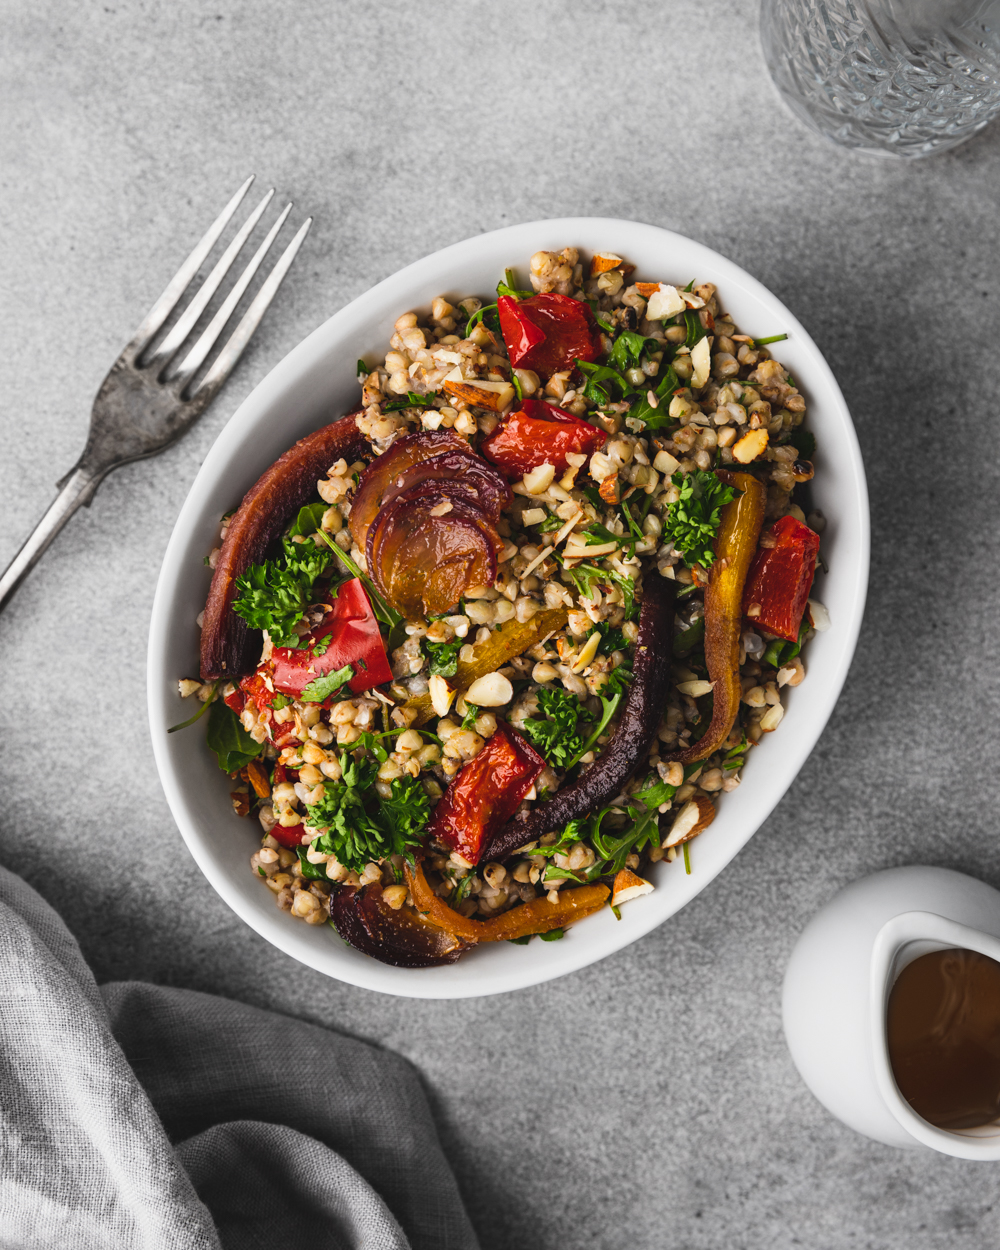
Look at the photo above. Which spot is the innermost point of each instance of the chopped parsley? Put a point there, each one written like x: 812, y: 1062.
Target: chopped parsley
x: 471, y: 713
x: 693, y: 521
x: 586, y: 576
x: 357, y: 825
x: 322, y: 646
x: 443, y: 656
x: 274, y: 595
x: 558, y: 732
x: 629, y: 349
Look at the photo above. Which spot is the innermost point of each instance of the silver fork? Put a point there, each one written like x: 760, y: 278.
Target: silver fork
x: 147, y: 402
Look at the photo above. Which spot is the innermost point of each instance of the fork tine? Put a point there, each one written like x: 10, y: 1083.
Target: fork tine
x: 163, y: 307
x: 193, y: 361
x: 232, y: 351
x: 186, y: 322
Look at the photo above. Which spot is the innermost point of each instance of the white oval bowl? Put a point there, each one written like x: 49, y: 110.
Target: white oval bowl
x: 316, y: 383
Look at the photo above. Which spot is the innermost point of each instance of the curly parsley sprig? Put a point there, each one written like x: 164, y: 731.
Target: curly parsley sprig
x: 693, y: 520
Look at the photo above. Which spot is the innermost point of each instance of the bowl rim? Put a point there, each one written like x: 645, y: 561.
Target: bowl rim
x: 552, y: 959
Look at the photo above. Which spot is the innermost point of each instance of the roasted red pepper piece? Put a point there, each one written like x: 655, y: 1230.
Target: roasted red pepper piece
x: 538, y: 434
x: 486, y: 793
x: 781, y: 577
x: 547, y: 333
x: 350, y: 635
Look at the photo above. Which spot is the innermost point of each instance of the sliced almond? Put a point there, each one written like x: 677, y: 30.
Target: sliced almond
x: 701, y: 359
x: 441, y: 694
x: 496, y: 396
x: 646, y: 289
x: 819, y: 616
x: 602, y: 262
x: 588, y: 652
x: 693, y: 817
x: 665, y: 301
x: 628, y: 886
x: 750, y: 446
x: 580, y: 551
x: 695, y: 689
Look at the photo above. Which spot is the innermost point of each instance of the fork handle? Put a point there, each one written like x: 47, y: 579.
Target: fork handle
x: 76, y: 488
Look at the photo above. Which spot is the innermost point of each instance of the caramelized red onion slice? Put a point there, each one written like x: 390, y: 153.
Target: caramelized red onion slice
x: 480, y: 483
x: 401, y: 456
x: 425, y: 553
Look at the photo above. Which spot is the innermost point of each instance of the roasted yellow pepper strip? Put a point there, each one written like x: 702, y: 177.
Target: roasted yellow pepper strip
x: 735, y: 544
x: 513, y: 638
x: 538, y: 916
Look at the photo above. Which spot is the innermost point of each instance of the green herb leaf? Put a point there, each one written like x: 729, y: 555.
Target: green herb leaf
x: 551, y: 522
x: 443, y: 656
x: 358, y: 826
x: 471, y: 713
x: 281, y: 700
x: 686, y: 641
x: 323, y: 687
x: 601, y: 382
x: 560, y: 735
x: 695, y: 330
x: 363, y: 370
x: 804, y: 442
x: 659, y: 417
x: 232, y: 745
x: 198, y: 715
x: 412, y: 400
x: 388, y: 616
x: 322, y: 646
x: 629, y: 349
x: 775, y: 338
x: 553, y: 935
x: 507, y: 287
x: 693, y: 521
x: 274, y: 595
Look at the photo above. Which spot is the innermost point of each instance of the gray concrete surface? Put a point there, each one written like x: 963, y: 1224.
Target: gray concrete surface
x: 650, y: 1100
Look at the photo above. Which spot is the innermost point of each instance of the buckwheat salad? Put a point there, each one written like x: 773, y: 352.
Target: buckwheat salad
x: 480, y: 653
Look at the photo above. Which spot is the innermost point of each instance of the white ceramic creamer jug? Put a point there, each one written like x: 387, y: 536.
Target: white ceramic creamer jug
x: 837, y: 989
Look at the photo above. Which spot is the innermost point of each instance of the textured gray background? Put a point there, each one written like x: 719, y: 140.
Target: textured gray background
x: 649, y: 1100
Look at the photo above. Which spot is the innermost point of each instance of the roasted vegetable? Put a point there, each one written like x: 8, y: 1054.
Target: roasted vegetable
x: 547, y: 332
x: 347, y: 637
x: 780, y: 578
x: 538, y: 916
x: 486, y: 793
x: 404, y: 453
x: 425, y: 552
x: 402, y: 938
x: 513, y: 638
x: 640, y: 718
x: 480, y: 483
x: 540, y: 434
x: 228, y: 647
x: 735, y: 545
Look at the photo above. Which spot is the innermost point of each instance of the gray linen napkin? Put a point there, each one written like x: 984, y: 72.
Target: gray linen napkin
x: 133, y: 1115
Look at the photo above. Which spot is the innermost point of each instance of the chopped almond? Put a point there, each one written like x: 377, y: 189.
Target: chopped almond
x: 701, y: 358
x: 646, y: 289
x: 665, y: 301
x: 629, y: 886
x: 496, y: 396
x: 602, y: 262
x: 750, y: 446
x: 693, y: 817
x: 610, y: 489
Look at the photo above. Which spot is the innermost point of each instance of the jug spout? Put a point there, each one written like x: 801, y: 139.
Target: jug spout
x: 837, y: 988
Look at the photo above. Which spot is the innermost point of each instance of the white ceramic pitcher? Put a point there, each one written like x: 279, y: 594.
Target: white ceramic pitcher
x: 837, y: 989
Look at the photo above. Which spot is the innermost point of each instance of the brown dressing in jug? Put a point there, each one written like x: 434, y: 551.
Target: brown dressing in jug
x: 943, y: 1031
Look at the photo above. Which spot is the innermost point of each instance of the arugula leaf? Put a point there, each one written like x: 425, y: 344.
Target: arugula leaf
x: 232, y: 745
x: 363, y: 370
x: 412, y: 400
x: 616, y: 683
x: 389, y: 616
x: 507, y: 287
x: 693, y: 521
x: 612, y: 639
x: 553, y: 935
x: 695, y: 330
x: 323, y: 687
x: 775, y: 338
x: 604, y: 324
x: 586, y: 576
x: 595, y: 376
x: 199, y: 714
x: 358, y: 826
x: 493, y: 324
x: 629, y: 349
x: 469, y: 719
x: 596, y: 534
x: 559, y: 736
x: 657, y: 418
x: 551, y: 522
x: 308, y: 520
x: 779, y: 651
x: 686, y: 641
x: 443, y: 656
